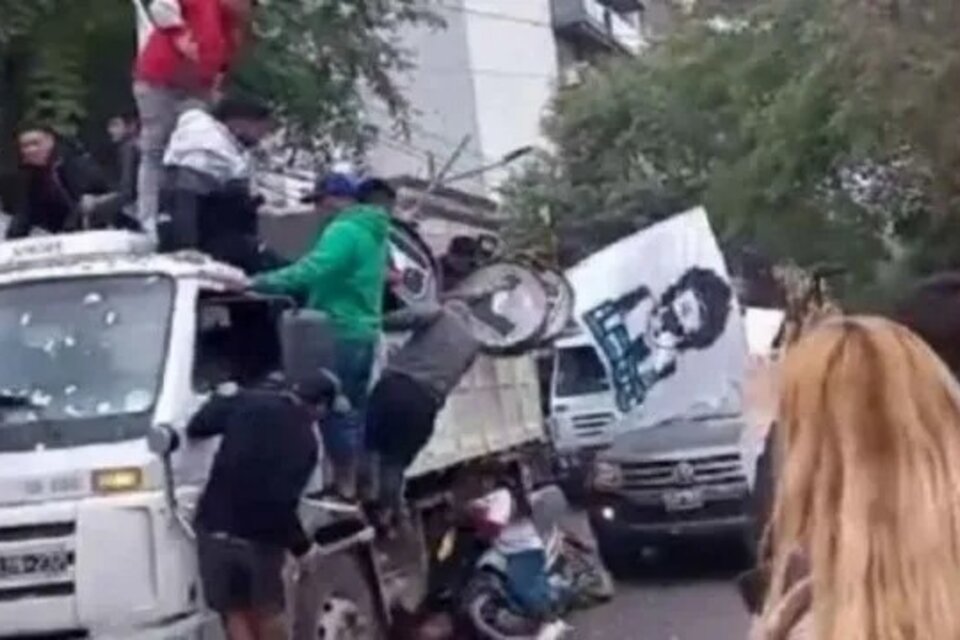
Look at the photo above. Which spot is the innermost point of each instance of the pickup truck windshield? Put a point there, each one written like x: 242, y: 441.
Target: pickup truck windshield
x: 81, y: 359
x: 580, y: 372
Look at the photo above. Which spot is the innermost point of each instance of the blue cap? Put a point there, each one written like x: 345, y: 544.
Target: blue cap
x: 338, y: 185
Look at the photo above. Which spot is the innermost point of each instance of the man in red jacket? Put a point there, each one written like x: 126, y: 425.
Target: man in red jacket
x: 180, y: 67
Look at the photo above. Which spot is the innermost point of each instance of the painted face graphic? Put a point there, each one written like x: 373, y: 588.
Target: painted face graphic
x: 682, y: 317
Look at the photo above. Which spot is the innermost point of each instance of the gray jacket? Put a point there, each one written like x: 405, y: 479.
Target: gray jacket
x: 440, y: 350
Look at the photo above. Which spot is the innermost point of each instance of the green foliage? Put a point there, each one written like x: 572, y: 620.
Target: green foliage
x: 784, y: 124
x: 67, y: 62
x: 317, y: 59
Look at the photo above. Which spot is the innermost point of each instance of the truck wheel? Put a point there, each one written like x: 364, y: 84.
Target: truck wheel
x: 750, y: 547
x: 617, y: 557
x: 339, y: 602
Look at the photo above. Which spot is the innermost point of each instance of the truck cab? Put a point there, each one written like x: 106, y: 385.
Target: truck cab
x: 582, y: 409
x: 102, y: 340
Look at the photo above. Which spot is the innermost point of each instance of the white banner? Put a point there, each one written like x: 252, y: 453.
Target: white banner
x: 664, y: 318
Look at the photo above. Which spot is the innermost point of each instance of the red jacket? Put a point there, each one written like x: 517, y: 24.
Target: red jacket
x: 213, y: 29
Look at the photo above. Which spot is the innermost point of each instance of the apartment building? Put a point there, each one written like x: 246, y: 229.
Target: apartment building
x: 482, y: 85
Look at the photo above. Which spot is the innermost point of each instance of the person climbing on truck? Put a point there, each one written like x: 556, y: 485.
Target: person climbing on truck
x: 180, y: 65
x: 408, y: 396
x: 247, y: 516
x: 62, y: 188
x: 124, y: 132
x: 343, y: 276
x: 208, y: 184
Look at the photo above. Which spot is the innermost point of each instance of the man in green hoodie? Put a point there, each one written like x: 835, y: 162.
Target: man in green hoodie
x: 343, y: 275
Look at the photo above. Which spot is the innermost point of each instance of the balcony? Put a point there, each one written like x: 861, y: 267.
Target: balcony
x: 624, y: 6
x: 594, y: 23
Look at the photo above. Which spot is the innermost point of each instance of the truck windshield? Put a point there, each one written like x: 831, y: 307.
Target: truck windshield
x: 81, y: 359
x: 580, y: 372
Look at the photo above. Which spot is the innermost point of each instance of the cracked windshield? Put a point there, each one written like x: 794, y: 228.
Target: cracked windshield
x: 76, y: 354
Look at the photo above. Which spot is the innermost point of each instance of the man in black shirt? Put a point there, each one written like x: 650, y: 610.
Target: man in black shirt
x: 247, y: 517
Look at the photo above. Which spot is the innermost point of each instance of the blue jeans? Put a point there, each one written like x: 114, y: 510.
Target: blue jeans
x: 528, y: 583
x: 343, y: 432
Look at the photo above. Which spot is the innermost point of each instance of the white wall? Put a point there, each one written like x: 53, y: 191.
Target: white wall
x: 442, y: 104
x: 515, y: 63
x: 489, y: 74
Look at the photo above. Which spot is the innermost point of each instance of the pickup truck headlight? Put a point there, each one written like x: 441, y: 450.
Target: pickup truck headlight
x: 607, y: 476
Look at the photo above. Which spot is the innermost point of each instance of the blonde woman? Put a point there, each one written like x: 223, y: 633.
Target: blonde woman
x: 865, y: 533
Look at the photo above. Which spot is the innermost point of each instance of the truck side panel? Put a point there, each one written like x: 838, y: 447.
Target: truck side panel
x: 495, y: 408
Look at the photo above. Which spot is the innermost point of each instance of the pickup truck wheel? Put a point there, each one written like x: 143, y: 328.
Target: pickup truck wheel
x: 618, y: 559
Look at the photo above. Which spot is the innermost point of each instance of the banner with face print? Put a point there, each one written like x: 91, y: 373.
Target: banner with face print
x: 661, y: 311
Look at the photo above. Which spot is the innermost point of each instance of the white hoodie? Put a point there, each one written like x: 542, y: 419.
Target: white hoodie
x: 204, y: 144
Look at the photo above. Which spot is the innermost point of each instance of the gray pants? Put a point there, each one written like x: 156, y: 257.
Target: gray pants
x: 159, y: 108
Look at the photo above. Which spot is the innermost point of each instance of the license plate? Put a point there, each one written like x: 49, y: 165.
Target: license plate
x: 683, y: 500
x: 46, y: 563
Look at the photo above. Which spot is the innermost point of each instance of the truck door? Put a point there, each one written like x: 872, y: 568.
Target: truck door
x: 238, y: 339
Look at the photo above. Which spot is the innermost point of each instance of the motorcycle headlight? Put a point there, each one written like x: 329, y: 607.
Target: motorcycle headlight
x: 607, y: 476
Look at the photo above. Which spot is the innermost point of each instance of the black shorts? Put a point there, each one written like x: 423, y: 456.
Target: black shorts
x: 238, y: 575
x: 400, y: 418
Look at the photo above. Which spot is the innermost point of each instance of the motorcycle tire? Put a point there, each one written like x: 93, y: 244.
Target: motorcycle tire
x: 485, y: 608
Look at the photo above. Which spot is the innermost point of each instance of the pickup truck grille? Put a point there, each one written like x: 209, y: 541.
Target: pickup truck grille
x: 718, y: 469
x: 37, y: 560
x: 592, y: 425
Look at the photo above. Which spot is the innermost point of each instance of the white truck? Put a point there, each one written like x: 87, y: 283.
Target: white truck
x: 583, y: 415
x: 103, y: 341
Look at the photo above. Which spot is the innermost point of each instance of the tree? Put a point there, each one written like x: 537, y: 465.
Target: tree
x: 67, y: 62
x: 777, y: 118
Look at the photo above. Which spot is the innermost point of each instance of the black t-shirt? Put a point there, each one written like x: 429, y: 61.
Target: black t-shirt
x: 267, y: 456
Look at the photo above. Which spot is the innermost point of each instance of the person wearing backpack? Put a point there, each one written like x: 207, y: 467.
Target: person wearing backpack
x: 180, y: 66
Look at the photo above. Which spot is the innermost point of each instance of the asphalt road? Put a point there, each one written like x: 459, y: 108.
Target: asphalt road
x: 681, y: 595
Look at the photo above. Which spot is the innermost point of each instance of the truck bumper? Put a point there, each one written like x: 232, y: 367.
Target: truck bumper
x: 200, y: 626
x: 115, y: 562
x: 618, y: 522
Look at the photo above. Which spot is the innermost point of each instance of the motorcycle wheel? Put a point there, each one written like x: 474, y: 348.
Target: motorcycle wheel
x: 486, y: 610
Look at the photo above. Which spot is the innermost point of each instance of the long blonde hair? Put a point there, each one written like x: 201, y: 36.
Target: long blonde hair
x: 869, y: 485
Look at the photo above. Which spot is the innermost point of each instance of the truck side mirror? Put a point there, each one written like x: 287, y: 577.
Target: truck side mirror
x: 163, y: 440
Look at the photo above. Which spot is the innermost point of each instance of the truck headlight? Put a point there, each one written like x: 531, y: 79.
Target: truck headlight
x: 607, y: 476
x: 118, y: 480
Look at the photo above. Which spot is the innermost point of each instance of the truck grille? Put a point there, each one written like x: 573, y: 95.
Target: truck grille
x: 37, y: 531
x: 592, y: 425
x: 718, y: 469
x: 37, y: 560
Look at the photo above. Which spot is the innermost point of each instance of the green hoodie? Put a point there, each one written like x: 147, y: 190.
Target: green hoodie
x: 344, y: 273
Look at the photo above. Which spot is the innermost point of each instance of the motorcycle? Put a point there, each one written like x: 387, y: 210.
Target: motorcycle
x: 468, y: 584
